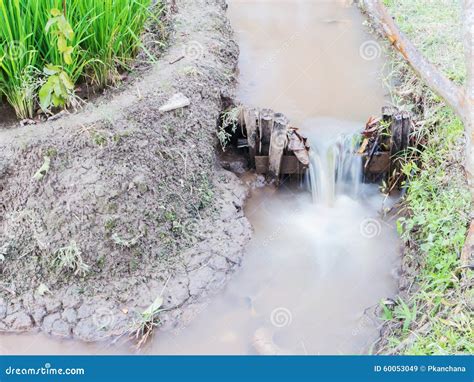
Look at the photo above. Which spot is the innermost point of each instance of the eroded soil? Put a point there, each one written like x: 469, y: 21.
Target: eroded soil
x: 138, y: 192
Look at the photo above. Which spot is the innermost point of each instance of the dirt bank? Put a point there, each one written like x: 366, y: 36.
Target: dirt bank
x: 132, y: 204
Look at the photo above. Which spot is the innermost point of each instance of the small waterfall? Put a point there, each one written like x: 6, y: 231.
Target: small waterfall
x: 334, y: 169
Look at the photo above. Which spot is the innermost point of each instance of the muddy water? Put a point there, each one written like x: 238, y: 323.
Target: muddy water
x: 304, y: 57
x: 313, y: 266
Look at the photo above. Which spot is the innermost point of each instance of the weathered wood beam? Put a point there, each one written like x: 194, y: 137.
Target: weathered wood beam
x: 250, y: 121
x: 290, y: 165
x: 278, y: 142
x: 437, y: 81
x: 265, y: 129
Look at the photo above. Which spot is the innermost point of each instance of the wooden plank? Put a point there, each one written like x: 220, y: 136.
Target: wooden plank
x: 396, y: 130
x: 265, y: 128
x: 278, y: 142
x: 406, y: 129
x: 261, y: 164
x: 380, y: 163
x: 250, y: 121
x: 289, y: 165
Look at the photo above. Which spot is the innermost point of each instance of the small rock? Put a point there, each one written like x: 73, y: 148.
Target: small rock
x: 259, y: 182
x: 177, y: 101
x: 42, y: 290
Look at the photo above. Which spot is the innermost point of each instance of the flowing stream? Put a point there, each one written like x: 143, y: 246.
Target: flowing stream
x: 321, y: 254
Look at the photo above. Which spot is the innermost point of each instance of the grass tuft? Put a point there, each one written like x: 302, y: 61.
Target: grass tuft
x: 69, y: 258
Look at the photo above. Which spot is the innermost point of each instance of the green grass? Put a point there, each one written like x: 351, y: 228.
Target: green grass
x: 435, y: 28
x: 438, y: 205
x: 436, y: 316
x: 106, y: 40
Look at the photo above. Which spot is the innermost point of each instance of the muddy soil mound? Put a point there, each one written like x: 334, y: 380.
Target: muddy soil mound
x: 105, y: 210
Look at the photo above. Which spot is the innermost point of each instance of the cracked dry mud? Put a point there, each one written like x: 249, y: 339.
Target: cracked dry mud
x: 139, y: 192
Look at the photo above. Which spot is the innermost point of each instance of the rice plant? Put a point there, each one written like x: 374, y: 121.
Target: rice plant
x: 18, y: 57
x: 113, y: 32
x: 104, y: 40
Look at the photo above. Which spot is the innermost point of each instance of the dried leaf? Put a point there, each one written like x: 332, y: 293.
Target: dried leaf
x: 363, y: 146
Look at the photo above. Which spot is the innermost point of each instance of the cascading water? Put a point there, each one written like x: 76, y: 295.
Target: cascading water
x: 335, y: 169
